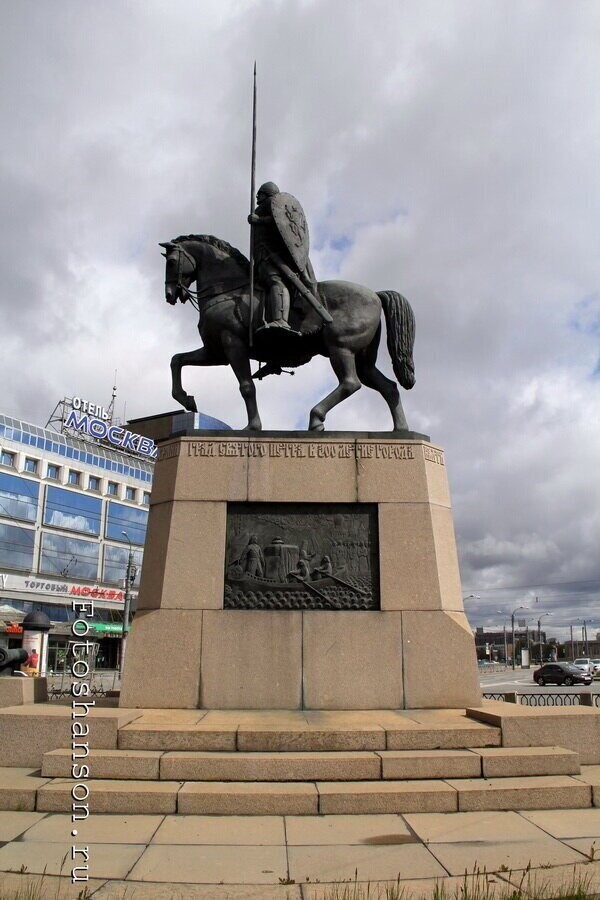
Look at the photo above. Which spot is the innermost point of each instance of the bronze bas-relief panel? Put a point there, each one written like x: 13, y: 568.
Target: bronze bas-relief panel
x: 313, y: 556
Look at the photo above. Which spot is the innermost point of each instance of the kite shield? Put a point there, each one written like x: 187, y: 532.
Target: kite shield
x: 292, y: 226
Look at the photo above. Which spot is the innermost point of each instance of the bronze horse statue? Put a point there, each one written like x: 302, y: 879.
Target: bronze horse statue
x: 350, y: 341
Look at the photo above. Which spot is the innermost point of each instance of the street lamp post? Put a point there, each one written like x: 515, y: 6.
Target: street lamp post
x: 512, y: 619
x: 540, y: 636
x: 129, y: 576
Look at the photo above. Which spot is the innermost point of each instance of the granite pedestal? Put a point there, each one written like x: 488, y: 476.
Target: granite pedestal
x: 409, y: 647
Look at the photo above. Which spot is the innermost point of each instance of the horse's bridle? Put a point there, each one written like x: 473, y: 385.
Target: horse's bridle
x: 182, y: 254
x: 195, y: 296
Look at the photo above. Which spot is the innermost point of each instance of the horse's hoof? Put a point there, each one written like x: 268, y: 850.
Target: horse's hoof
x: 190, y: 404
x: 250, y: 427
x: 316, y: 426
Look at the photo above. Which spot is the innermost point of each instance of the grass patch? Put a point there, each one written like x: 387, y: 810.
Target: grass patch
x: 527, y: 885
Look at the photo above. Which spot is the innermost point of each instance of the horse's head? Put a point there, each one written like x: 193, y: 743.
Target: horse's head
x: 180, y: 271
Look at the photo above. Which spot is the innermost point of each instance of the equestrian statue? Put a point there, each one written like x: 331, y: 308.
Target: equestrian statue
x: 272, y: 309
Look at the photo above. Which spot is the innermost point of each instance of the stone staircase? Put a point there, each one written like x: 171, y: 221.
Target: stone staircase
x: 305, y: 764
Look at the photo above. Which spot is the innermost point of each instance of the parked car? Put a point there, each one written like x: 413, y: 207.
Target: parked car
x: 561, y: 673
x: 585, y: 664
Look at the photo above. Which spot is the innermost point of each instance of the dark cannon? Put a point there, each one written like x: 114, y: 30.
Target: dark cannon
x: 10, y: 659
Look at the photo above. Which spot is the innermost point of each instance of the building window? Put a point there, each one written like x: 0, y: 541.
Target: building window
x: 74, y: 477
x: 146, y: 498
x: 94, y: 483
x: 112, y: 488
x: 18, y: 497
x: 72, y: 511
x: 31, y: 465
x: 115, y: 564
x: 7, y: 458
x: 53, y: 472
x: 69, y: 557
x: 16, y: 548
x: 130, y: 493
x: 125, y: 518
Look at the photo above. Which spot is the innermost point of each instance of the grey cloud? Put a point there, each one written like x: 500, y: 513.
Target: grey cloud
x: 451, y: 147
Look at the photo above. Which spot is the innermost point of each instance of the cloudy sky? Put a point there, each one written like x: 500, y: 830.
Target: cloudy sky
x: 447, y: 150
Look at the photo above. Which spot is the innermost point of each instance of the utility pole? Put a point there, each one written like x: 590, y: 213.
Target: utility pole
x: 540, y: 636
x: 505, y: 647
x: 130, y: 574
x: 514, y: 612
x: 572, y: 646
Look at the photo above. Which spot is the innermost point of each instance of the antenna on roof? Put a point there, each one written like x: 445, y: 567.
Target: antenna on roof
x: 111, y: 408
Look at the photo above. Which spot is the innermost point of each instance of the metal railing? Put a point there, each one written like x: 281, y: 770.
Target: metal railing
x: 546, y: 698
x: 101, y: 682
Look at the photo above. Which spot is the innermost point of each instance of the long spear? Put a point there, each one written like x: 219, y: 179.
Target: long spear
x: 252, y: 188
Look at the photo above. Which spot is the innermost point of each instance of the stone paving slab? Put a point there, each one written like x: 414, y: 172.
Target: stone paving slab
x: 212, y: 864
x: 106, y: 861
x: 548, y: 882
x: 97, y: 829
x: 132, y: 890
x: 566, y: 823
x: 251, y: 830
x: 484, y: 886
x: 12, y: 824
x: 473, y: 827
x: 458, y: 857
x: 589, y: 847
x: 325, y: 830
x: 47, y: 887
x: 340, y: 863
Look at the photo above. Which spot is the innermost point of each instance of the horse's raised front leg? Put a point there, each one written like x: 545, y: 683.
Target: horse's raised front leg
x: 344, y: 366
x: 237, y: 356
x: 200, y: 357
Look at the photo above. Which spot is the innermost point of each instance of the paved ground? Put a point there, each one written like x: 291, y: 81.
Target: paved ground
x: 294, y: 857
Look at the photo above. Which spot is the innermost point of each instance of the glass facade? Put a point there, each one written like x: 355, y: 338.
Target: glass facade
x: 115, y: 564
x: 18, y: 497
x: 120, y: 518
x: 16, y: 547
x: 70, y: 448
x: 7, y: 458
x: 53, y: 471
x: 72, y: 510
x: 69, y: 557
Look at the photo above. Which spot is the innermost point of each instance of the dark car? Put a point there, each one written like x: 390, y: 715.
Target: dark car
x: 561, y: 673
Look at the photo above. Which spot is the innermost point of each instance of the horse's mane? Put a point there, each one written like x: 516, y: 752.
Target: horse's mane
x: 225, y: 247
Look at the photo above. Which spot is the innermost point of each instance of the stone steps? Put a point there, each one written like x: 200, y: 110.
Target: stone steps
x: 319, y: 735
x: 240, y: 766
x: 306, y: 798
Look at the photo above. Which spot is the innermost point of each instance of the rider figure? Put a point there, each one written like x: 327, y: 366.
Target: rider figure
x: 269, y: 250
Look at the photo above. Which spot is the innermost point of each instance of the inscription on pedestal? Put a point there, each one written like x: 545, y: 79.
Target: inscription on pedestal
x: 314, y: 556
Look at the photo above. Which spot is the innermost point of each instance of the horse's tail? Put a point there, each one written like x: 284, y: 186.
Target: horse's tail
x: 400, y: 324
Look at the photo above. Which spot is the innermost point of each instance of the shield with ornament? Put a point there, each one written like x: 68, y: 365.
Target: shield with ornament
x: 292, y: 226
